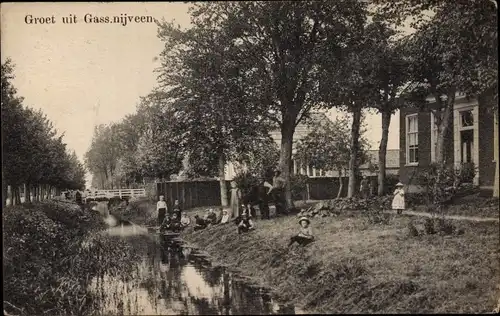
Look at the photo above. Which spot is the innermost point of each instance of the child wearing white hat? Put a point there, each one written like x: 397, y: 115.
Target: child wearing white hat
x: 398, y: 202
x: 305, y: 235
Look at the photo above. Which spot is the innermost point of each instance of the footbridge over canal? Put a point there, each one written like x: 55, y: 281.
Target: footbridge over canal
x: 108, y: 195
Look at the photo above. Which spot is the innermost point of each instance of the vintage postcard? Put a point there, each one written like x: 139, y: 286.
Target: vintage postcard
x: 250, y: 157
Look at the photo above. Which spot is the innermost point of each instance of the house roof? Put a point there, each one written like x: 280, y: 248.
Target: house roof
x: 392, y: 158
x: 304, y: 127
x: 315, y: 118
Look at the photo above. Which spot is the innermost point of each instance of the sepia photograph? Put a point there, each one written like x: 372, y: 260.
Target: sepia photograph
x: 250, y: 157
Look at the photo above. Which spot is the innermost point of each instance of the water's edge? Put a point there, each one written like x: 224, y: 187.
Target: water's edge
x: 247, y: 285
x: 239, y: 275
x: 299, y: 310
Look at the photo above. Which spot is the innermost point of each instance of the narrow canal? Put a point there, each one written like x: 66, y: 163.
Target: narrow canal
x: 174, y: 279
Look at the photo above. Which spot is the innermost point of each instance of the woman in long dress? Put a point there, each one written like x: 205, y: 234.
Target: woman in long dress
x: 235, y: 199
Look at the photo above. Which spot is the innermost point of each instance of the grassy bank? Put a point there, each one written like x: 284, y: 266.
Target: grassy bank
x: 52, y: 250
x: 359, y: 267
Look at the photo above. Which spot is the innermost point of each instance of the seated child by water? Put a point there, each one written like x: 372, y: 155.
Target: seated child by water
x: 166, y: 224
x: 175, y: 225
x: 185, y: 220
x: 177, y: 208
x: 398, y: 202
x: 211, y: 217
x: 225, y: 217
x: 305, y: 235
x: 199, y: 223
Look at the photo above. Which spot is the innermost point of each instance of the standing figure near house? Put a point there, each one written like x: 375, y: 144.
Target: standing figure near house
x: 364, y: 188
x: 263, y: 200
x: 250, y: 199
x: 235, y: 199
x: 398, y: 202
x: 161, y: 208
x: 277, y: 193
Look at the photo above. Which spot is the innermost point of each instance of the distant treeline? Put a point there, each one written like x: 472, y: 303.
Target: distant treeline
x: 34, y: 156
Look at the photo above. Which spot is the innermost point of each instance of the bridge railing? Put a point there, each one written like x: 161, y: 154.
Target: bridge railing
x: 120, y: 193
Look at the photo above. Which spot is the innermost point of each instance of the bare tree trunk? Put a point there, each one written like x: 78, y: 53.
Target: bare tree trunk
x: 496, y: 155
x: 222, y: 180
x: 382, y: 152
x: 27, y: 193
x: 341, y: 184
x: 443, y: 126
x: 5, y: 191
x: 353, y: 162
x: 16, y: 194
x: 287, y: 130
x: 103, y: 182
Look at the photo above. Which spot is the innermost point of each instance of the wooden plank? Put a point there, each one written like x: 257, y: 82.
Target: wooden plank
x: 194, y: 201
x: 183, y: 193
x: 177, y: 191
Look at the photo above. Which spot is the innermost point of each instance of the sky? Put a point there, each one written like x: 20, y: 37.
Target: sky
x: 83, y: 74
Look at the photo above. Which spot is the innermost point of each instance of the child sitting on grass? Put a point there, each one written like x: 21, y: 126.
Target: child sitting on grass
x: 244, y: 223
x: 177, y: 208
x: 185, y: 220
x: 225, y: 217
x: 175, y: 225
x: 211, y: 217
x: 398, y: 202
x: 199, y: 223
x: 305, y: 235
x: 166, y: 224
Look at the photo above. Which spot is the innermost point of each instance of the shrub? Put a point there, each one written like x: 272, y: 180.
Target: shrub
x: 140, y: 211
x: 245, y: 181
x: 442, y: 182
x: 52, y: 251
x: 298, y: 185
x: 390, y: 183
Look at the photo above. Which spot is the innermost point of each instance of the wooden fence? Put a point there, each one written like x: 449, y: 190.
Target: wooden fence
x: 191, y: 193
x: 207, y: 193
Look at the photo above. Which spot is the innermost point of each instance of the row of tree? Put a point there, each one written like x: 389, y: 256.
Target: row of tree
x: 244, y: 68
x: 275, y: 62
x: 33, y: 154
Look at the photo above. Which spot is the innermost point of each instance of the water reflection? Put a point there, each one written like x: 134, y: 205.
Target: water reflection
x: 175, y: 280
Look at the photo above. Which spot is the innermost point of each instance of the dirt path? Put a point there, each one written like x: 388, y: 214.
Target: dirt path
x: 453, y: 217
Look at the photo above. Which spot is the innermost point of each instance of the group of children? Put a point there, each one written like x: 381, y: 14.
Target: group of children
x: 243, y: 221
x: 174, y: 220
x: 178, y: 220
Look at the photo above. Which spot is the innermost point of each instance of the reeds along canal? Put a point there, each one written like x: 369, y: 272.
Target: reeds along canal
x: 174, y: 279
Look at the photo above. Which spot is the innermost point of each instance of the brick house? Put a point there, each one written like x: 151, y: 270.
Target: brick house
x: 473, y: 135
